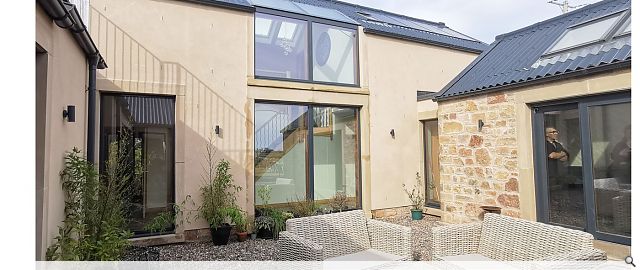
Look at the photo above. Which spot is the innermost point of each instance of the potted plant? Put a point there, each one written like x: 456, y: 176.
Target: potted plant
x: 264, y: 227
x: 416, y: 197
x: 339, y: 202
x: 218, y: 197
x: 240, y: 222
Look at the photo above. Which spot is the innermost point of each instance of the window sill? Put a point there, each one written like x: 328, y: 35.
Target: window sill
x: 307, y: 86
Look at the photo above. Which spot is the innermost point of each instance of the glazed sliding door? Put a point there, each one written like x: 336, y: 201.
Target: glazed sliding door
x: 583, y: 165
x: 559, y: 143
x: 608, y: 129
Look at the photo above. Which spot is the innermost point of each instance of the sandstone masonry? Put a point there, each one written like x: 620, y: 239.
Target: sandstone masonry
x: 478, y: 167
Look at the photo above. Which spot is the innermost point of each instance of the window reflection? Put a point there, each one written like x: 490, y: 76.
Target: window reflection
x: 281, y: 47
x: 610, y: 128
x: 141, y: 128
x: 334, y: 54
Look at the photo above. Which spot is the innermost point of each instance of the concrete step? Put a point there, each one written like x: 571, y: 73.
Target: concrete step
x: 615, y: 252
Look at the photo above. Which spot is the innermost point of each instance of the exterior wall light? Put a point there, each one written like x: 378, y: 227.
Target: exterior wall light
x: 393, y: 133
x: 69, y: 113
x: 218, y: 130
x: 480, y: 125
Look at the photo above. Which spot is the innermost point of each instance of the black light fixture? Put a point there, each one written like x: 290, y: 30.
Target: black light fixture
x: 480, y: 124
x: 69, y: 113
x: 393, y: 133
x: 217, y: 130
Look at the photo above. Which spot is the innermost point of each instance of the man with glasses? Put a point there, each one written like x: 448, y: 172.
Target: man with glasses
x: 555, y: 154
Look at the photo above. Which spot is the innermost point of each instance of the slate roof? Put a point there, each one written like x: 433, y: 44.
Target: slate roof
x: 389, y: 24
x: 517, y: 58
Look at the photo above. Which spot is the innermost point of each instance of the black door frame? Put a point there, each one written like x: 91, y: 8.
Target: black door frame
x: 541, y: 185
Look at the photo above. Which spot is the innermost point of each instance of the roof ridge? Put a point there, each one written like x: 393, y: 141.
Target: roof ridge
x: 556, y: 18
x: 437, y: 24
x: 387, y: 12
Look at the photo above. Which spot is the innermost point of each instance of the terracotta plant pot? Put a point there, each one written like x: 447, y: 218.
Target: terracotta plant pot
x: 489, y: 209
x: 242, y: 236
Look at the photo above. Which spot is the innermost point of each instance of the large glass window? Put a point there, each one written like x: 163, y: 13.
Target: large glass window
x: 281, y: 144
x: 305, y: 151
x: 141, y: 129
x: 334, y: 54
x: 286, y: 49
x: 281, y: 47
x: 335, y: 153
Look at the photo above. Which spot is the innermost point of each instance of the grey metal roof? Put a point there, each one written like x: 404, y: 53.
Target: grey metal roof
x: 403, y: 27
x: 424, y: 95
x: 233, y: 4
x: 386, y: 23
x: 517, y: 58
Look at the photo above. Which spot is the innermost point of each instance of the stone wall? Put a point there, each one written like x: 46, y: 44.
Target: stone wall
x: 478, y: 167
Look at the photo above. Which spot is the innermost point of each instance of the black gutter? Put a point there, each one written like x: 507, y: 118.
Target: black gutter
x: 420, y: 40
x: 553, y: 78
x: 223, y: 4
x: 66, y: 16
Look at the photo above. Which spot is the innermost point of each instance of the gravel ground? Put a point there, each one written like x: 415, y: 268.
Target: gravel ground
x: 266, y: 250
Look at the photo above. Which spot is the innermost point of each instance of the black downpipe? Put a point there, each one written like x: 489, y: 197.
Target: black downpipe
x: 66, y: 16
x: 91, y: 109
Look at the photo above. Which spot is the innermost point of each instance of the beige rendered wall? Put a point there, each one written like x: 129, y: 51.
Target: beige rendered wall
x: 499, y: 159
x: 397, y: 69
x: 203, y: 55
x: 66, y: 77
x: 196, y: 53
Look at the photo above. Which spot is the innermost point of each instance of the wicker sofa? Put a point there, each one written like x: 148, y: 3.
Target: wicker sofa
x: 346, y: 236
x: 503, y: 238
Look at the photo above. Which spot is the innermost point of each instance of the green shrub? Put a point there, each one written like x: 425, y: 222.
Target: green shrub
x: 218, y: 190
x: 95, y: 225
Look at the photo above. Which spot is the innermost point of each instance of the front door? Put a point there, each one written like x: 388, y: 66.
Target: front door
x: 583, y: 165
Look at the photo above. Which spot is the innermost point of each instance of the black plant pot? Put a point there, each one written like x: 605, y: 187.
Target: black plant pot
x: 265, y: 234
x: 220, y: 235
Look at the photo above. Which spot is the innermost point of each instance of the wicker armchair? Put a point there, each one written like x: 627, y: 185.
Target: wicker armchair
x: 503, y: 238
x: 346, y: 236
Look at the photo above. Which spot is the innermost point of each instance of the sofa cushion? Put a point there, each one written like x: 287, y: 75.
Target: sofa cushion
x: 339, y: 234
x: 466, y: 257
x: 367, y: 255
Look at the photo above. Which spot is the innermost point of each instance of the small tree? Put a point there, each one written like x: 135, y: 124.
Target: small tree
x: 416, y: 195
x: 218, y: 191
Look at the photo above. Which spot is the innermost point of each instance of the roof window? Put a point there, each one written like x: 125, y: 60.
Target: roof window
x: 587, y: 33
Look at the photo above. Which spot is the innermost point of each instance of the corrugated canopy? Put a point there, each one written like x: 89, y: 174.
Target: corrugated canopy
x: 151, y: 110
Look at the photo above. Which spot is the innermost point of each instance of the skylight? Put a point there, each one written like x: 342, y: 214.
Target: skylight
x: 585, y: 33
x: 263, y: 26
x: 626, y: 27
x: 287, y: 30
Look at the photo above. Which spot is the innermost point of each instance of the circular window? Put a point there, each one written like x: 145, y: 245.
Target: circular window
x: 322, y: 49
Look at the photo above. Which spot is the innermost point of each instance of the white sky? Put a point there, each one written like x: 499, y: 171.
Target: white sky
x: 480, y: 19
